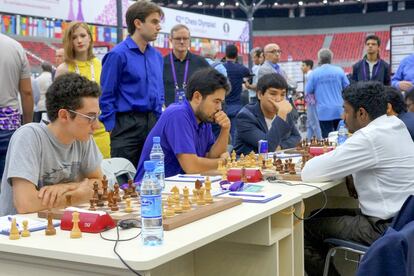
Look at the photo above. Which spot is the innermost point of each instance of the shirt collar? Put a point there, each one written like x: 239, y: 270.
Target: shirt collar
x: 132, y: 45
x: 188, y: 56
x: 193, y: 117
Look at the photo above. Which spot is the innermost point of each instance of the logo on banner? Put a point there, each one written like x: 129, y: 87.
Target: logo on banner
x: 226, y: 27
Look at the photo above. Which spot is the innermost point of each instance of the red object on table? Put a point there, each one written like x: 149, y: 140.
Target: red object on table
x: 252, y: 175
x: 88, y: 222
x: 315, y: 151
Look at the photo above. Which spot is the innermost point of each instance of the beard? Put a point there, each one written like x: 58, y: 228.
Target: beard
x: 203, y: 117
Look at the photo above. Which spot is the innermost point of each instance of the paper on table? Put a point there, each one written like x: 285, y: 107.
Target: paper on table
x: 191, y: 178
x: 33, y: 223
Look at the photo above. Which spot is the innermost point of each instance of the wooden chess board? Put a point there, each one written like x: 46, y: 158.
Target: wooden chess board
x: 195, y: 213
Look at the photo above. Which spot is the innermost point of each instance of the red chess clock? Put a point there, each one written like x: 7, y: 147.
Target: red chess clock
x: 315, y: 151
x: 251, y: 174
x: 89, y: 221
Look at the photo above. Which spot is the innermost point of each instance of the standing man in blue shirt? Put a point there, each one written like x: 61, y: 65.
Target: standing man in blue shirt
x: 236, y: 73
x: 372, y: 67
x: 326, y: 83
x: 185, y: 130
x: 403, y: 79
x: 131, y: 79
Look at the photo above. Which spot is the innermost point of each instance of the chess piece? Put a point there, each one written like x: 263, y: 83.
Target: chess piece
x: 25, y: 232
x: 176, y: 194
x: 95, y: 191
x: 110, y: 198
x: 228, y: 163
x: 14, y: 232
x: 68, y: 200
x: 114, y: 206
x: 243, y: 176
x: 128, y: 207
x: 195, y: 196
x: 177, y: 207
x: 200, y: 199
x: 220, y: 165
x: 116, y: 192
x: 263, y: 164
x: 292, y: 168
x: 233, y: 156
x: 92, y: 204
x: 76, y: 232
x: 224, y: 175
x: 169, y: 212
x: 186, y: 201
x: 133, y: 190
x: 50, y: 229
x: 105, y: 188
x: 198, y: 184
x: 100, y: 202
x: 208, y: 198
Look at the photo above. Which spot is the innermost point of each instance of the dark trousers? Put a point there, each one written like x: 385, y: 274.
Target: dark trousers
x: 5, y: 136
x: 328, y: 126
x: 346, y: 224
x: 129, y: 134
x: 37, y: 116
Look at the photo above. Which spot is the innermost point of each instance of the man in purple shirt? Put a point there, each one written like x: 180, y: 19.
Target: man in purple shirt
x: 185, y: 129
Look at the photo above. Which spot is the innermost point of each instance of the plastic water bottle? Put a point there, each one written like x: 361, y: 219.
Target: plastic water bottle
x: 152, y: 232
x: 342, y: 133
x: 157, y: 155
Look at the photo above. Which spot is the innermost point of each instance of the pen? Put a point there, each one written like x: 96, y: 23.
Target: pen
x: 191, y: 176
x: 241, y: 194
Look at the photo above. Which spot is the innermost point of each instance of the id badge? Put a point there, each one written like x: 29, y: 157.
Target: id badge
x: 179, y: 95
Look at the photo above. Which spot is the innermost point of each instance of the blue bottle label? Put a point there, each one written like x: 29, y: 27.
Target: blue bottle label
x: 151, y: 206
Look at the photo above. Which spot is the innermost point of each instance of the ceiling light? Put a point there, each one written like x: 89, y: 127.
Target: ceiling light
x: 179, y: 2
x: 300, y: 3
x: 222, y: 4
x: 200, y: 3
x: 341, y: 1
x: 276, y: 4
x: 325, y: 1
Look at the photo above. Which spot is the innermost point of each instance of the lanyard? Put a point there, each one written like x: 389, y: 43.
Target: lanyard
x: 175, y: 74
x: 92, y: 70
x: 364, y: 70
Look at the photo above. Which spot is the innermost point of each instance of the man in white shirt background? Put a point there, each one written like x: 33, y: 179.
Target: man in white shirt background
x: 380, y: 157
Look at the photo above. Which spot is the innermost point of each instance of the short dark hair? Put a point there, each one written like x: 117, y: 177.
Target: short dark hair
x: 231, y: 51
x: 67, y: 91
x: 409, y: 95
x: 396, y: 99
x: 46, y: 67
x: 369, y: 95
x: 373, y: 37
x: 308, y: 62
x: 140, y: 10
x: 256, y: 52
x: 206, y: 81
x: 271, y: 81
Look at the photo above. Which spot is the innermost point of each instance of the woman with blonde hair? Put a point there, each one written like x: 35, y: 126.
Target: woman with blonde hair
x: 79, y: 58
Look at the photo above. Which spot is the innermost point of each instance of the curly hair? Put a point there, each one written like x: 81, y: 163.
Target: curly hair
x: 67, y: 91
x: 369, y: 95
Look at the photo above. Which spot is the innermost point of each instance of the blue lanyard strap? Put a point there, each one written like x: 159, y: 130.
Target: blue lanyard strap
x: 175, y: 74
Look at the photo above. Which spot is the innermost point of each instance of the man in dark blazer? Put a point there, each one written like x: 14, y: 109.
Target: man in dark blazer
x: 268, y: 119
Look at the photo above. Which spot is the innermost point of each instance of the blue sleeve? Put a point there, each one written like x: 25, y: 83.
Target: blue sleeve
x: 221, y: 69
x: 294, y: 137
x: 110, y: 79
x: 178, y: 132
x: 387, y: 72
x: 246, y: 72
x: 310, y: 89
x: 398, y: 76
x: 345, y: 81
x: 250, y: 133
x: 161, y: 91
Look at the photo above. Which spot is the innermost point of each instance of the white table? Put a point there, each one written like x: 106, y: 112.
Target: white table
x: 249, y: 239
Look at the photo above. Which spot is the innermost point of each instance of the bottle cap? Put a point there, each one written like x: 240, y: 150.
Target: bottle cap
x: 149, y: 165
x: 156, y: 139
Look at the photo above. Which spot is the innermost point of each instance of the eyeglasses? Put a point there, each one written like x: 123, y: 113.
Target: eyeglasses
x: 179, y: 39
x: 275, y: 51
x: 91, y: 119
